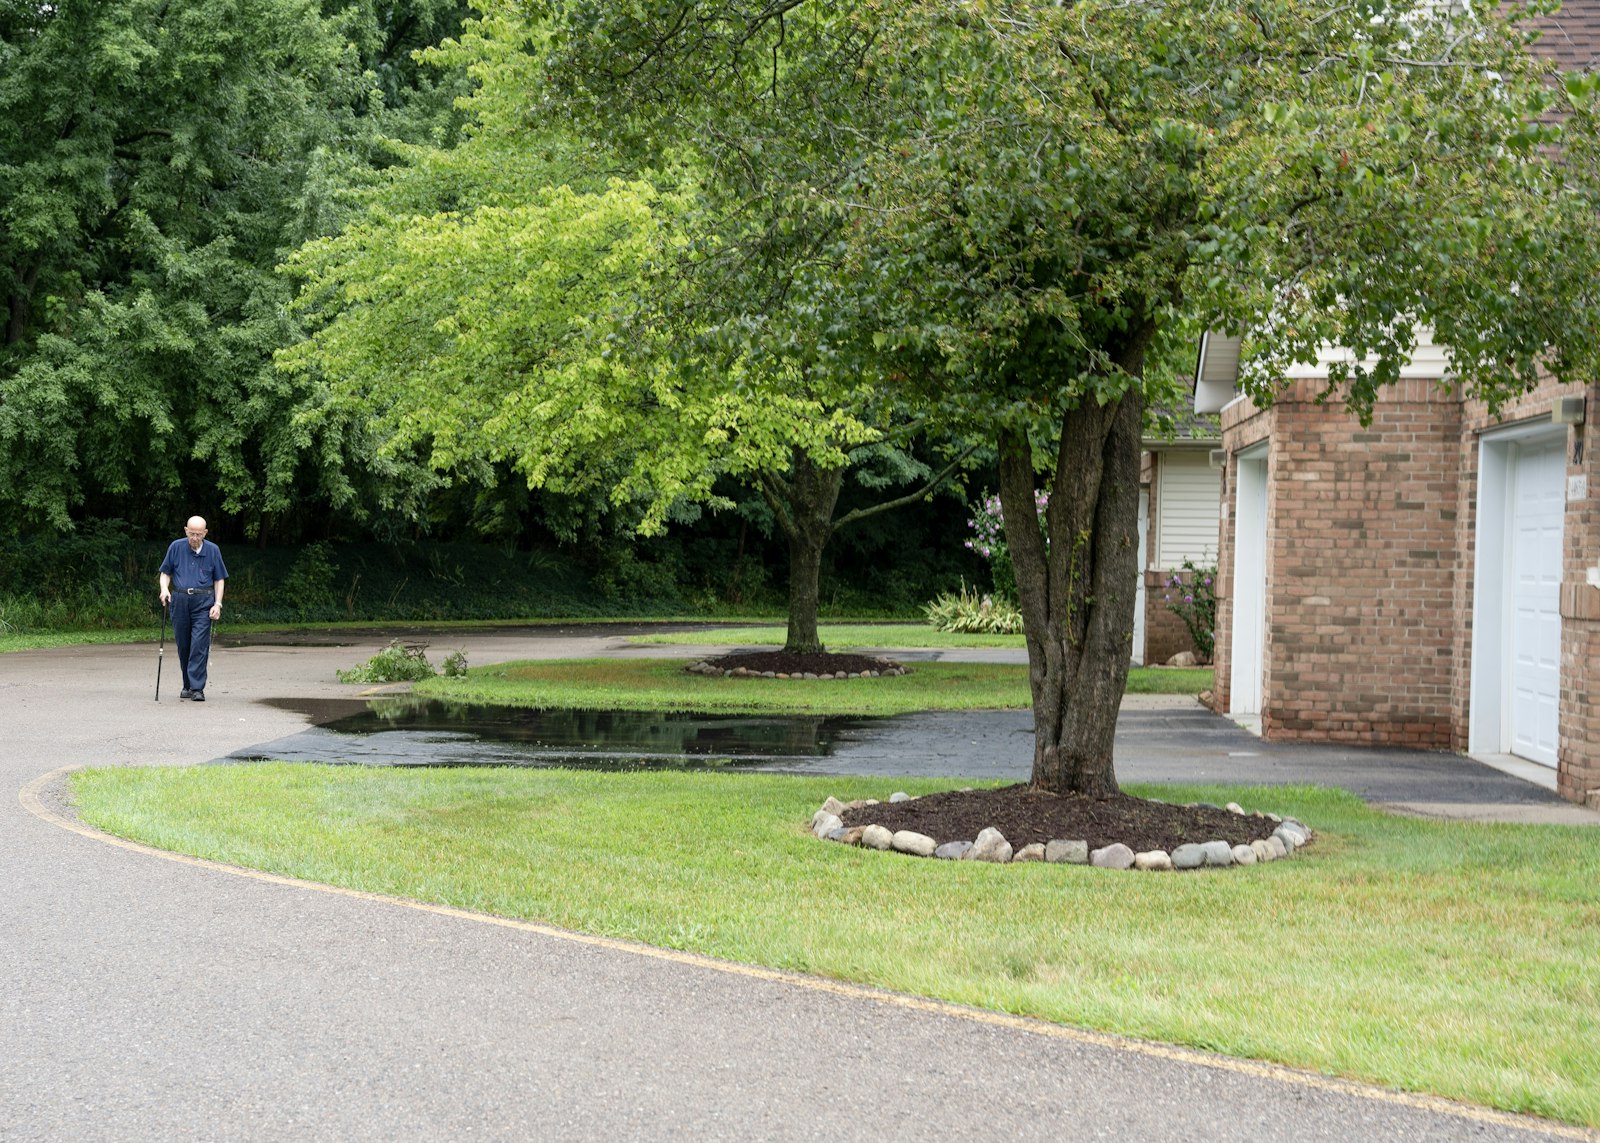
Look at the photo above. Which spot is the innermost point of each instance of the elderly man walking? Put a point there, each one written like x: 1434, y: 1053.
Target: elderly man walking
x: 192, y: 575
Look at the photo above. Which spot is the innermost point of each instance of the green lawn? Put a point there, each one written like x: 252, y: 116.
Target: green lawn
x: 1455, y: 959
x: 663, y: 684
x: 836, y: 636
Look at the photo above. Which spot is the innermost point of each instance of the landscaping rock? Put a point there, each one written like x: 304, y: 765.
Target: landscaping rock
x: 876, y: 837
x: 1183, y: 659
x: 1113, y: 856
x: 1243, y: 855
x: 909, y: 841
x: 1155, y: 859
x: 1262, y: 850
x: 852, y: 836
x: 1034, y: 852
x: 1234, y: 808
x: 899, y: 796
x: 1189, y: 856
x: 1217, y: 853
x: 1067, y: 852
x: 953, y: 850
x: 824, y: 823
x: 1288, y: 837
x: 991, y: 845
x: 1276, y: 847
x: 834, y: 806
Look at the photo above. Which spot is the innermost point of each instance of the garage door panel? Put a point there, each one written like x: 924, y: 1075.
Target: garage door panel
x: 1534, y: 580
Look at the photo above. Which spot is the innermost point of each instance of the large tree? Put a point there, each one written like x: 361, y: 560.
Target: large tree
x: 1033, y: 197
x: 509, y: 300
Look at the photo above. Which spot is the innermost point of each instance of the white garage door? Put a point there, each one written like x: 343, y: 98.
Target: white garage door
x: 1533, y: 607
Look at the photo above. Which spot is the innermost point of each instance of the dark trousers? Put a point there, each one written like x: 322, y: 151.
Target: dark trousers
x: 191, y: 633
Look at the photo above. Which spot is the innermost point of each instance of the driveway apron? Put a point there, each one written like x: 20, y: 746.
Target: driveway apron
x: 143, y: 998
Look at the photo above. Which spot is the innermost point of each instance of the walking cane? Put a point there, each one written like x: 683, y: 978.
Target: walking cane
x: 162, y: 653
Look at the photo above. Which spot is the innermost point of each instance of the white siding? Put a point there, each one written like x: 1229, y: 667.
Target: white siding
x: 1428, y: 360
x: 1188, y: 492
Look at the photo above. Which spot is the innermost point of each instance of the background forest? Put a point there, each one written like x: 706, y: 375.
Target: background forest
x: 160, y: 166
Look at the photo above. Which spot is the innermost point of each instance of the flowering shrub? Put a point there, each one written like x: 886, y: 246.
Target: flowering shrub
x: 971, y: 612
x: 1192, y: 596
x: 989, y: 541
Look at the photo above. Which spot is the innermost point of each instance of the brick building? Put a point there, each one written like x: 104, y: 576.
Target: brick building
x: 1431, y: 580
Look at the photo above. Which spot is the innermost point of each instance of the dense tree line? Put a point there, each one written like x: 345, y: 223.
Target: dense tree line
x: 160, y: 162
x: 157, y: 162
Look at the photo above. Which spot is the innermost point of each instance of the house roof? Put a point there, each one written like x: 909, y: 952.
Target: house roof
x: 1571, y: 36
x: 1176, y: 426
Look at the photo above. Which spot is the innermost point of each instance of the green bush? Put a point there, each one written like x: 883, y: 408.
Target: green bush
x: 309, y: 585
x: 969, y: 612
x: 1192, y: 596
x: 396, y: 663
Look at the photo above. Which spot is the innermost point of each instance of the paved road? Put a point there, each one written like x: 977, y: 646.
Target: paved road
x: 145, y: 998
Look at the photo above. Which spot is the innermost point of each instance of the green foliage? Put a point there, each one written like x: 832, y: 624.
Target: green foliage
x: 968, y: 611
x: 454, y: 665
x: 399, y: 662
x: 155, y: 160
x: 500, y: 304
x: 310, y: 582
x: 1192, y: 596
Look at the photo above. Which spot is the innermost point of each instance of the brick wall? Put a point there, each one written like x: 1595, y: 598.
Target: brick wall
x: 1578, y: 776
x: 1361, y: 559
x: 1371, y: 555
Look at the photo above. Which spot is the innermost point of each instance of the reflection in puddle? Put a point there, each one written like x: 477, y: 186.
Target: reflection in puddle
x: 406, y: 730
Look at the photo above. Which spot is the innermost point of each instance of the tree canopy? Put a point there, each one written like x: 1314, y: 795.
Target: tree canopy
x: 1015, y: 206
x: 507, y: 301
x: 156, y: 161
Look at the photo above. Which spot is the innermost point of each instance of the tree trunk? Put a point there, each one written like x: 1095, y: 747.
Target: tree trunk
x: 1077, y: 593
x: 807, y: 519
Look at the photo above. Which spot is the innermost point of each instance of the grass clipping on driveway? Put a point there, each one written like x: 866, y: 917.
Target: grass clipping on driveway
x: 1438, y: 957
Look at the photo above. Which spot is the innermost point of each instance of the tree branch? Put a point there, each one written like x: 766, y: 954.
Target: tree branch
x: 933, y: 482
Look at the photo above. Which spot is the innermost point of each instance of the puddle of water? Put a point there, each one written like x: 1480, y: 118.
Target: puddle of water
x: 406, y: 730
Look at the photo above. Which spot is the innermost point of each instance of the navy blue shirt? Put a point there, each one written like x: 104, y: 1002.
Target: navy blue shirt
x: 189, y: 568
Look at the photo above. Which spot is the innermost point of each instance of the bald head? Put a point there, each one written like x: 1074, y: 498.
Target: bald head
x: 195, y: 530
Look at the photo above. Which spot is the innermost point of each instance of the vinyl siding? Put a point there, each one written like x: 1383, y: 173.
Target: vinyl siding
x: 1188, y: 496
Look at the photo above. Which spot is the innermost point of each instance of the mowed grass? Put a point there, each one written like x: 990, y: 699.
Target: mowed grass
x: 1451, y: 958
x: 663, y: 684
x: 835, y: 636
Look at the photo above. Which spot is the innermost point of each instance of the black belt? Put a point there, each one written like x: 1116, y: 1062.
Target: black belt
x: 193, y: 591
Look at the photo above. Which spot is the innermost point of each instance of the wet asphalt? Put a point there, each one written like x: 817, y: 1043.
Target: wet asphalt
x: 143, y: 998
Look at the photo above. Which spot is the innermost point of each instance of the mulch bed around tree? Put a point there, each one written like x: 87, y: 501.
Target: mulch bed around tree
x: 823, y: 663
x: 1025, y: 815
